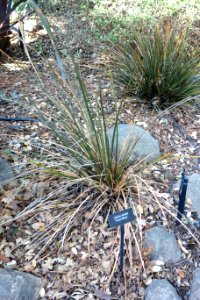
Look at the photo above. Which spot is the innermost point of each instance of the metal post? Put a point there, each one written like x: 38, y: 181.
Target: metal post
x: 121, y: 264
x: 182, y: 197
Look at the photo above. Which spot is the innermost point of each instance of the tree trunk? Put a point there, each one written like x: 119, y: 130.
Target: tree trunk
x: 4, y: 26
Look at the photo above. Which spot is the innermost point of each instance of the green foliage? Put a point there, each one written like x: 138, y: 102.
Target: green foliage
x: 115, y: 19
x: 25, y: 6
x: 84, y: 128
x: 82, y: 132
x: 109, y: 29
x: 157, y: 65
x: 22, y: 8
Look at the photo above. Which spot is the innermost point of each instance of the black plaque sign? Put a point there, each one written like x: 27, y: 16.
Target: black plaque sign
x: 121, y: 218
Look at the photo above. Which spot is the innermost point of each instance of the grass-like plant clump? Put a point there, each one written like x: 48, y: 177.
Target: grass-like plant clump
x: 92, y: 174
x: 157, y: 64
x: 88, y: 162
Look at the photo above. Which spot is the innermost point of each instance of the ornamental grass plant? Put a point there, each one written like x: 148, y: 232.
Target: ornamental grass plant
x: 92, y: 171
x: 157, y: 65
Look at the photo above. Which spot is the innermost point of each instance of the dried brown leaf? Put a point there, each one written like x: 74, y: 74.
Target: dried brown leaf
x: 4, y: 259
x: 100, y: 294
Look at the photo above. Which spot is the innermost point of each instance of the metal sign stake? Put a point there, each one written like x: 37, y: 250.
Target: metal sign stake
x: 121, y: 263
x: 119, y: 219
x: 182, y: 197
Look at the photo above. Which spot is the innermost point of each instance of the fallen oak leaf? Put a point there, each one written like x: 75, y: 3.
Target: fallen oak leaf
x: 4, y: 259
x: 147, y: 251
x: 180, y: 272
x: 100, y: 294
x: 48, y: 264
x: 30, y: 266
x: 107, y: 265
x: 38, y: 226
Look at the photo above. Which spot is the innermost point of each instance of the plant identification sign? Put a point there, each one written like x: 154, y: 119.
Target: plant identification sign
x: 121, y: 218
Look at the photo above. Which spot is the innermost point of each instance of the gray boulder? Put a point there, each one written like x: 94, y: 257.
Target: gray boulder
x: 195, y: 286
x: 147, y: 147
x: 161, y: 245
x: 161, y: 289
x: 16, y: 285
x: 193, y: 191
x: 6, y: 171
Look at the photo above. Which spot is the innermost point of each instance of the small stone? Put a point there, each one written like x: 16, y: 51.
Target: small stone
x: 148, y: 281
x: 193, y: 191
x: 16, y: 285
x: 6, y: 171
x: 29, y: 25
x: 146, y: 147
x: 160, y: 244
x: 12, y: 264
x: 161, y: 289
x: 157, y: 173
x: 195, y: 286
x: 94, y: 55
x: 42, y: 293
x: 159, y: 263
x: 156, y: 269
x: 74, y: 250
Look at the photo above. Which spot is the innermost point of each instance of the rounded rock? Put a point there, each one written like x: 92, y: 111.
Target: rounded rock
x: 19, y: 285
x: 161, y: 245
x: 161, y: 289
x: 195, y: 286
x: 146, y: 146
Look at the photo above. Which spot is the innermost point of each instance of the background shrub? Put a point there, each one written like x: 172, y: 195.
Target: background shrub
x: 157, y: 64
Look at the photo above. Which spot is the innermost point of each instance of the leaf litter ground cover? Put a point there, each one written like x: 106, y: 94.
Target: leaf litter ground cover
x: 88, y: 269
